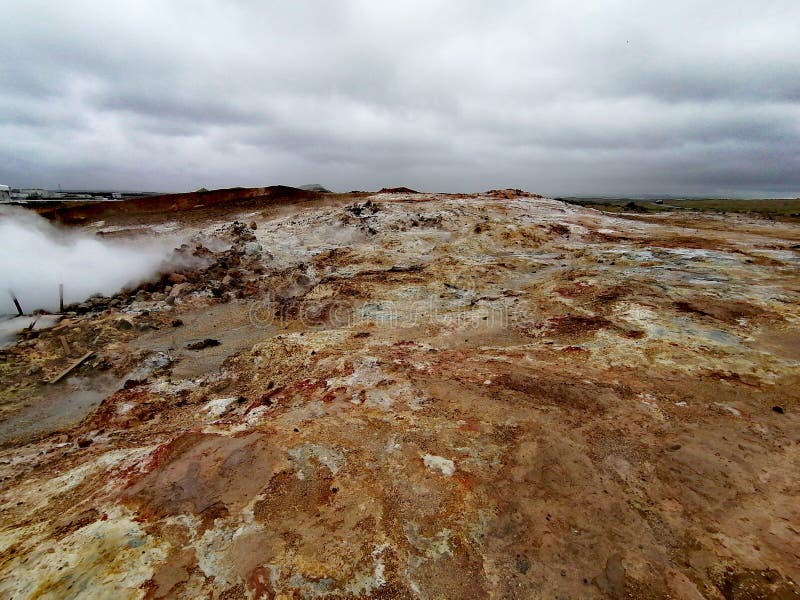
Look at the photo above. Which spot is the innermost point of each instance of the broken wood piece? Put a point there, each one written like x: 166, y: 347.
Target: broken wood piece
x: 70, y: 368
x: 16, y: 302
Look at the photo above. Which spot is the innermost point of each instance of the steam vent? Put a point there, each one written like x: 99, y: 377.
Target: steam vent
x: 286, y: 393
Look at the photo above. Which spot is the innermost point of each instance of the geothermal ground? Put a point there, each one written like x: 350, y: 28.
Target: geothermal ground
x: 414, y: 396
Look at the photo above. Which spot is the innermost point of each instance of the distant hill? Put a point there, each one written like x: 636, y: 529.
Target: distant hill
x: 398, y: 190
x: 315, y: 187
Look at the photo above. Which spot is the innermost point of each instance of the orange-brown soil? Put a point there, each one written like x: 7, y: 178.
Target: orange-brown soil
x: 416, y: 396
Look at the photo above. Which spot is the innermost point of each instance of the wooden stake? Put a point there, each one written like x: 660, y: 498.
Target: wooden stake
x: 61, y: 298
x: 16, y: 302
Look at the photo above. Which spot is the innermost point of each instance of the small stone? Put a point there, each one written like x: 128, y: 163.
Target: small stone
x: 123, y: 324
x: 178, y: 290
x: 522, y: 563
x: 177, y: 323
x: 778, y: 409
x: 176, y: 278
x: 220, y: 385
x: 206, y: 343
x: 252, y: 248
x: 253, y: 225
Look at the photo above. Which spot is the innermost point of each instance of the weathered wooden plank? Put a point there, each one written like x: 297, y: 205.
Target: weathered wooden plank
x: 74, y: 365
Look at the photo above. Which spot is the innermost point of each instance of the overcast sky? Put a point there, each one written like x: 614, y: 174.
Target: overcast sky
x: 583, y: 97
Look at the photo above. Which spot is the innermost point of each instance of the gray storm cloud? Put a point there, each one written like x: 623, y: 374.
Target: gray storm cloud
x: 602, y: 97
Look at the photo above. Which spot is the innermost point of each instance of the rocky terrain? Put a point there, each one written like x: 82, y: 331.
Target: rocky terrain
x: 405, y: 395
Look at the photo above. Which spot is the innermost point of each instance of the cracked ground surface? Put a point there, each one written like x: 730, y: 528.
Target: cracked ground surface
x: 418, y: 396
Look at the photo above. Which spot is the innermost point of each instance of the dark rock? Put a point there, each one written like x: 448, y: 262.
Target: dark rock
x: 522, y: 563
x: 359, y: 210
x: 177, y: 323
x: 206, y: 343
x: 778, y: 409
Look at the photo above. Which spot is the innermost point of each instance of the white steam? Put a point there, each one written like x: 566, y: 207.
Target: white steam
x: 37, y: 256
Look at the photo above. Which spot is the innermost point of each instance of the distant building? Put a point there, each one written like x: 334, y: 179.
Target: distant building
x: 5, y: 193
x: 38, y: 194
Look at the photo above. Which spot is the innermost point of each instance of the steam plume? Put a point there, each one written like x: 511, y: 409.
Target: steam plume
x: 37, y: 256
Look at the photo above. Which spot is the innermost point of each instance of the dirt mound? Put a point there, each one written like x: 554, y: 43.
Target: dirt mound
x: 69, y: 213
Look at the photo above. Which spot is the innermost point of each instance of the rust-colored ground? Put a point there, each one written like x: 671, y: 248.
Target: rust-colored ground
x: 417, y: 396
